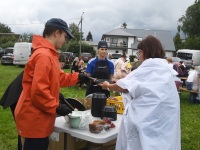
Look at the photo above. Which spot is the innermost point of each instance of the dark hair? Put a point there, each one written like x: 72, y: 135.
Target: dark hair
x: 123, y: 55
x: 151, y: 47
x: 48, y: 30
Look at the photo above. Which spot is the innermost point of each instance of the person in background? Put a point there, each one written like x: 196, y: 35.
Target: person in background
x: 175, y: 73
x: 81, y: 66
x: 128, y: 66
x: 191, y: 78
x: 38, y: 103
x: 197, y: 80
x: 151, y: 118
x: 101, y: 68
x: 75, y: 65
x: 184, y: 69
x: 119, y: 69
x: 181, y: 63
x: 81, y: 69
x: 176, y: 67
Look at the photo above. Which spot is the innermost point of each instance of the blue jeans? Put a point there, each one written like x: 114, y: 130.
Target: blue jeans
x: 189, y: 85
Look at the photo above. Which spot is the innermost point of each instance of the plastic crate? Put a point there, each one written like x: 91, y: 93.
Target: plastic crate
x: 117, y: 103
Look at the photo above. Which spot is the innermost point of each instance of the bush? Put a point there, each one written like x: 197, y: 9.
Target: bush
x: 132, y: 57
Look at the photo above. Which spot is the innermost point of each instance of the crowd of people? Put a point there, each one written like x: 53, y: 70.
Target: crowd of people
x: 150, y: 97
x: 192, y: 75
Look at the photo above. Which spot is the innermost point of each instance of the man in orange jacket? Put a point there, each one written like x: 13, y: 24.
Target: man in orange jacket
x: 38, y: 104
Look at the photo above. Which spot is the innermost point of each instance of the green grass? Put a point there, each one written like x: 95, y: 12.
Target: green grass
x: 190, y: 120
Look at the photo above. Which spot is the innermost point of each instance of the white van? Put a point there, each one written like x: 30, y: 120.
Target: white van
x: 22, y: 52
x: 189, y: 57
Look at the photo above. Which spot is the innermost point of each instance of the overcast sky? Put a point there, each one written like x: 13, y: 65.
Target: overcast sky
x: 100, y: 16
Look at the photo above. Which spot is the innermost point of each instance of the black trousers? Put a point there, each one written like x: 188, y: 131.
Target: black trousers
x: 36, y: 143
x: 19, y: 144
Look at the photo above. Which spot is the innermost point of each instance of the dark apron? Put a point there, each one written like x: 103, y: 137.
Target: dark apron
x: 101, y: 71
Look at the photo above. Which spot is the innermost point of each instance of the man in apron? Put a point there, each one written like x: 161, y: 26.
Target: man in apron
x: 100, y: 68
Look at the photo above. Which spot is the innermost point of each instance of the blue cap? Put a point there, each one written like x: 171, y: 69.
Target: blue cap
x: 60, y: 24
x: 102, y: 44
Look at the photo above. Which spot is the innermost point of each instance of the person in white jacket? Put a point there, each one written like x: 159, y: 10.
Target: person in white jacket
x: 151, y: 119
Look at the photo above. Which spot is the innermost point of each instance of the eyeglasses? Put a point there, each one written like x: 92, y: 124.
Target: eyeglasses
x: 139, y: 53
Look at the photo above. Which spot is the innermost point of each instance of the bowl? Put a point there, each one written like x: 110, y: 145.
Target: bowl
x: 74, y: 121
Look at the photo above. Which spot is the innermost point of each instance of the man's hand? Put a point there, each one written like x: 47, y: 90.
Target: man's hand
x: 63, y: 110
x: 83, y: 78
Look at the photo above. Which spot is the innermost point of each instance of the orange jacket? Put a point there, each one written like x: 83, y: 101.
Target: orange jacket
x: 35, y: 112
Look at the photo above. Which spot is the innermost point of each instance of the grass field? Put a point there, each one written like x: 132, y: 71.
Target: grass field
x: 190, y: 120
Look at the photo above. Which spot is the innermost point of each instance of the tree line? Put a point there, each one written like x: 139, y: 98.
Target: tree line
x: 8, y: 39
x: 189, y: 28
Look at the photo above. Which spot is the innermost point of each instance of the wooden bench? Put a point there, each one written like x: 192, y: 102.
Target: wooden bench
x: 185, y: 89
x: 193, y: 95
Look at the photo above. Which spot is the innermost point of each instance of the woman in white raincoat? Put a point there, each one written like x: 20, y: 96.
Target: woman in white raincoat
x: 151, y: 119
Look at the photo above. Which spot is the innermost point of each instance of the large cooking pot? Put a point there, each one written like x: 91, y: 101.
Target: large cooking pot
x: 71, y: 103
x: 74, y: 104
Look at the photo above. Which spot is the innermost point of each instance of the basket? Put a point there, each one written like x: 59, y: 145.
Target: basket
x: 117, y: 103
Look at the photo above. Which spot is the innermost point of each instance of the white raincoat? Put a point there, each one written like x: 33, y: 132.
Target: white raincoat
x: 151, y: 119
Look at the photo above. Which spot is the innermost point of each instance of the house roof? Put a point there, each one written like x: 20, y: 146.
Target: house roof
x: 92, y: 43
x: 163, y: 35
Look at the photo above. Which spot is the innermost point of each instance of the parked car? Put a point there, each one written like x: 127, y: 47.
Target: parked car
x: 189, y: 57
x: 7, y: 58
x: 22, y: 52
x: 86, y: 56
x: 69, y: 57
x: 175, y: 60
x: 115, y: 56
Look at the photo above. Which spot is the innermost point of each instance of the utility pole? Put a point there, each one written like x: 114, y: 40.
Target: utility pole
x: 80, y: 32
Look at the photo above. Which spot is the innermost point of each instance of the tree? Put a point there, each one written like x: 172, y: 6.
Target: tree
x: 190, y: 21
x: 177, y: 41
x: 89, y: 37
x: 124, y: 25
x: 75, y: 31
x: 74, y: 46
x: 26, y: 37
x: 192, y: 42
x: 4, y: 28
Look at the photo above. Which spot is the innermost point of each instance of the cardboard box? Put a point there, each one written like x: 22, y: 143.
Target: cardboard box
x: 72, y: 143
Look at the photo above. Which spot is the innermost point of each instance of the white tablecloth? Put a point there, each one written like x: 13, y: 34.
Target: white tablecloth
x: 62, y: 126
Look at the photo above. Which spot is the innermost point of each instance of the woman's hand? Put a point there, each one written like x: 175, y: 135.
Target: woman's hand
x: 104, y: 85
x: 114, y: 87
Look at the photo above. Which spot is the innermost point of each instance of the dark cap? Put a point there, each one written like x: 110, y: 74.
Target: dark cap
x: 102, y: 44
x: 60, y: 24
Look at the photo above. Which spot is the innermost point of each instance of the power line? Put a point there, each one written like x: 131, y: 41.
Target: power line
x: 24, y: 24
x: 16, y: 24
